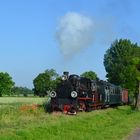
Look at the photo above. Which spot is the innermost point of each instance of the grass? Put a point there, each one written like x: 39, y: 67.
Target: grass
x: 8, y: 100
x: 109, y: 124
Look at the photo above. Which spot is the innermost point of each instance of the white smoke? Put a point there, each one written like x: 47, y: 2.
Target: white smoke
x: 74, y: 33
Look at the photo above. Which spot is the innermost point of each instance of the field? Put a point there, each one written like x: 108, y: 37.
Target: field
x: 20, y: 100
x: 21, y: 120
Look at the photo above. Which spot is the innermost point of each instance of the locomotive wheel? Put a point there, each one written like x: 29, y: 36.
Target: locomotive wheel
x: 88, y: 108
x: 82, y: 106
x: 72, y: 111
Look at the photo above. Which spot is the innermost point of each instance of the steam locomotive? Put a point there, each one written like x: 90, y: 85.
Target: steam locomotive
x: 75, y: 93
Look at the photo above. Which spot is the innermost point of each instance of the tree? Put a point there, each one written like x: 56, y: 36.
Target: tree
x: 136, y: 62
x: 52, y: 73
x: 90, y: 74
x: 24, y: 91
x: 44, y: 82
x: 6, y: 83
x: 119, y: 62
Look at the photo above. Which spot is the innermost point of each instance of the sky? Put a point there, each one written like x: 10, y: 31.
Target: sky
x: 34, y: 35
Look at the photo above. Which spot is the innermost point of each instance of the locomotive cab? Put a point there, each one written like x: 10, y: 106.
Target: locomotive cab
x: 97, y: 95
x: 85, y: 96
x: 84, y: 87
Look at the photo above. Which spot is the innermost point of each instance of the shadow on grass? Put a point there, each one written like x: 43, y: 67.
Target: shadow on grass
x: 47, y: 107
x: 123, y: 109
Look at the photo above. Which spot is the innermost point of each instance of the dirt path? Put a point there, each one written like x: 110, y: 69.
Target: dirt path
x: 135, y: 135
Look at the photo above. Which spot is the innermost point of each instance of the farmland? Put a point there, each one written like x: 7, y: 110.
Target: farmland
x: 19, y: 123
x: 22, y: 100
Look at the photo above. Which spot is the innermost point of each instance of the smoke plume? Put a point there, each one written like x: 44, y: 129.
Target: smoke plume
x: 74, y: 33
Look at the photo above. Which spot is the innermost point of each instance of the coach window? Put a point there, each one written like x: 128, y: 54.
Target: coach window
x: 88, y: 85
x: 100, y: 97
x: 77, y: 83
x: 83, y: 84
x: 111, y: 90
x: 93, y: 86
x: 106, y: 88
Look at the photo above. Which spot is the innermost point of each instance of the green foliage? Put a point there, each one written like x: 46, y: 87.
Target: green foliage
x: 45, y: 81
x: 120, y: 63
x: 41, y: 84
x: 52, y: 73
x: 47, y: 106
x: 136, y: 62
x: 6, y: 83
x: 55, y: 82
x: 90, y: 74
x: 24, y: 91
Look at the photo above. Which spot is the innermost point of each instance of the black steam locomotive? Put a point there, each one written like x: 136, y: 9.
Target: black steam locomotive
x: 76, y: 93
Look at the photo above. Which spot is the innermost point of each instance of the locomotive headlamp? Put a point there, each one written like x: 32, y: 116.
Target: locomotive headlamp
x: 53, y: 94
x: 64, y: 77
x: 73, y: 94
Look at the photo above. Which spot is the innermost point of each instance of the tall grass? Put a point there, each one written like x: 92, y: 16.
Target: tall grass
x: 109, y: 124
x: 9, y: 100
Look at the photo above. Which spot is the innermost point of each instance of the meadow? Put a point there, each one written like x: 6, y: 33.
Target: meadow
x: 21, y: 120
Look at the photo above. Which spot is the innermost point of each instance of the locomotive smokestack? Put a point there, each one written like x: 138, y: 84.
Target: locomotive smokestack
x: 66, y: 73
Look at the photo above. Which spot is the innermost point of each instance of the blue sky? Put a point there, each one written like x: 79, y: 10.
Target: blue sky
x: 28, y: 42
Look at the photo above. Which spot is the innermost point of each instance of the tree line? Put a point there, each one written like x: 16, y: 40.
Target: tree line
x: 48, y: 80
x: 43, y: 83
x: 122, y: 65
x: 8, y: 88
